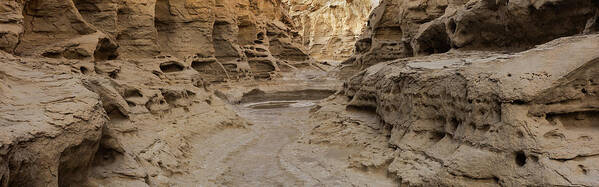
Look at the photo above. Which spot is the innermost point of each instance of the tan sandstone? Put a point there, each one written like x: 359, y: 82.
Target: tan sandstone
x: 185, y: 93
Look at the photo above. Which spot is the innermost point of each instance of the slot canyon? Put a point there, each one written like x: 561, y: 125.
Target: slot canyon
x: 299, y: 93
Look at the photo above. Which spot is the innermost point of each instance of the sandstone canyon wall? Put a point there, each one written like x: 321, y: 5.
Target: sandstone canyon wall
x: 399, y: 29
x: 474, y: 93
x: 245, y: 37
x: 330, y: 28
x: 116, y: 89
x: 488, y: 119
x: 436, y: 92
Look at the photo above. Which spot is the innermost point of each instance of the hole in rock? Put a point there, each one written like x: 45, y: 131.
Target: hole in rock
x: 114, y: 113
x: 519, y: 102
x: 113, y: 74
x: 437, y: 42
x: 260, y: 36
x: 285, y: 21
x: 473, y: 126
x: 157, y: 73
x: 190, y: 93
x: 104, y: 156
x: 52, y: 54
x: 452, y: 26
x: 534, y: 158
x: 582, y: 169
x: 108, y: 151
x: 438, y: 49
x: 520, y: 158
x: 363, y: 45
x: 170, y: 67
x: 453, y: 124
x: 83, y: 70
x: 437, y: 136
x: 132, y: 93
x: 106, y: 50
x: 74, y: 162
x: 367, y: 109
x: 171, y: 97
x: 485, y: 127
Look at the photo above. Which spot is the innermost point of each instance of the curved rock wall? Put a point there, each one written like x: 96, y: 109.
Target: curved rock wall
x: 240, y: 37
x: 473, y: 93
x: 330, y: 28
x: 399, y: 29
x: 50, y: 123
x: 488, y: 119
x: 114, y: 92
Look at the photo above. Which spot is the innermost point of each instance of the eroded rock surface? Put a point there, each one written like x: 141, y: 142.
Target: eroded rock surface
x: 445, y: 93
x: 112, y: 123
x: 115, y: 92
x: 51, y: 125
x: 398, y: 29
x: 330, y: 28
x: 238, y: 38
x: 496, y: 108
x: 478, y: 118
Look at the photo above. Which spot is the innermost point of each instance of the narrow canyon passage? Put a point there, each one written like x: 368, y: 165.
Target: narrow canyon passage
x: 299, y: 93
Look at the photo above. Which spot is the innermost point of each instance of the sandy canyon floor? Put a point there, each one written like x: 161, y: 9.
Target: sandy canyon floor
x: 276, y: 148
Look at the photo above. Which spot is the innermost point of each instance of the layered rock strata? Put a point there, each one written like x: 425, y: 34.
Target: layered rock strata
x: 477, y: 118
x: 239, y: 38
x: 115, y: 123
x: 398, y: 29
x: 114, y: 92
x: 330, y: 28
x: 472, y: 93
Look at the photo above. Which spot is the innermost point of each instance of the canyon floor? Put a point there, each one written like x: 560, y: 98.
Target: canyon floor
x: 275, y: 149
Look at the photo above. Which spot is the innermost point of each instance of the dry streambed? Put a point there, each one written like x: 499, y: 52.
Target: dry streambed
x: 277, y: 155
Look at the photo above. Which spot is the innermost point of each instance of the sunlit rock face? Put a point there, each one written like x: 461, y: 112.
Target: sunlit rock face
x: 329, y: 28
x: 90, y: 90
x: 481, y: 118
x: 439, y: 92
x: 236, y: 38
x: 398, y: 29
x: 474, y: 93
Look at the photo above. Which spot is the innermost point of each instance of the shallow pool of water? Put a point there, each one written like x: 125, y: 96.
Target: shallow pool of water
x: 280, y: 104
